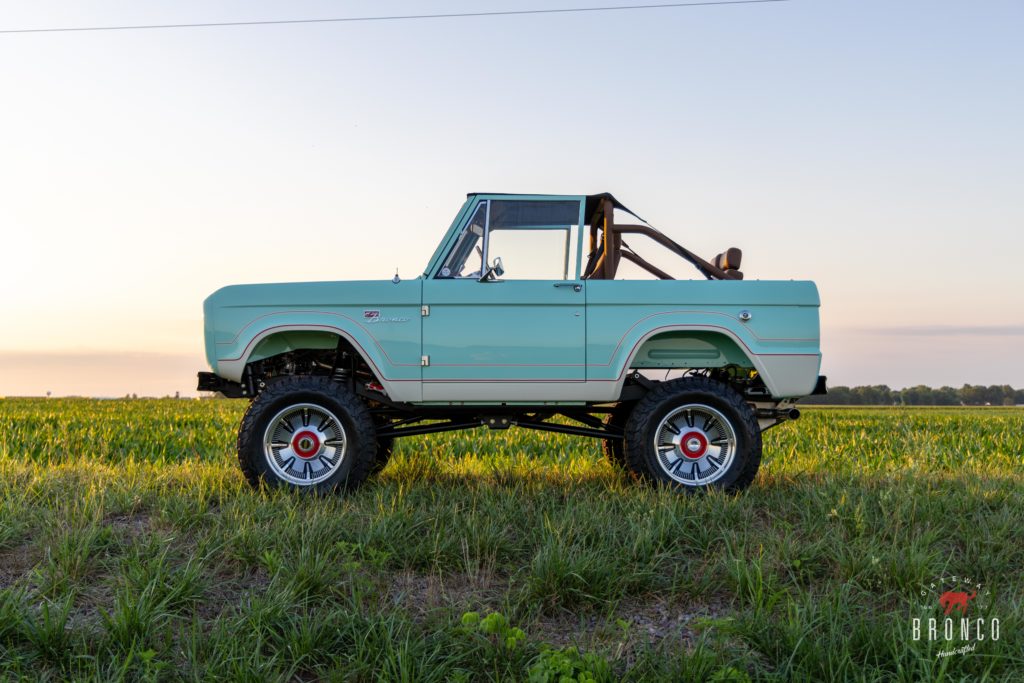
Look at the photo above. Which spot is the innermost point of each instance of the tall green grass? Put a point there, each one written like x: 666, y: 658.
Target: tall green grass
x: 131, y: 549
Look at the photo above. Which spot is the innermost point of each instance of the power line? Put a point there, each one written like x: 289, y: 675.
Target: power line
x: 407, y: 17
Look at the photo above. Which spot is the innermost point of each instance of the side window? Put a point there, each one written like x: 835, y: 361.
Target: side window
x: 541, y: 254
x: 535, y: 240
x: 466, y: 257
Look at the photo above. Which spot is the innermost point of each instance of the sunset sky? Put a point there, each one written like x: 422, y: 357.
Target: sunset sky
x: 874, y: 147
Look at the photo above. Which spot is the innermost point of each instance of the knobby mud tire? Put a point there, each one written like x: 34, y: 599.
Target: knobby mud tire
x: 360, y: 455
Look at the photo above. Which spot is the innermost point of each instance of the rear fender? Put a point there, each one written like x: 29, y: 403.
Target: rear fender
x: 788, y: 368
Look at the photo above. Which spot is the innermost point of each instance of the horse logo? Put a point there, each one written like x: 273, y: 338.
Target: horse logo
x: 951, y: 600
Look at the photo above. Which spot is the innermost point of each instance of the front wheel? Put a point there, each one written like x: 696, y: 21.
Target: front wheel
x: 309, y: 434
x: 693, y: 434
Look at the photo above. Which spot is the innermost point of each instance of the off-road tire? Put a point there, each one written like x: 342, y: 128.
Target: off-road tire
x: 642, y: 425
x: 360, y: 450
x: 615, y: 449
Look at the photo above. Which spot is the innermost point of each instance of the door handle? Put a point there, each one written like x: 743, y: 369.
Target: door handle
x: 575, y: 285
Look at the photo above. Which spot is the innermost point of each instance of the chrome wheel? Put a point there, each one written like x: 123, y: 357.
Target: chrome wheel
x: 695, y: 444
x: 304, y: 444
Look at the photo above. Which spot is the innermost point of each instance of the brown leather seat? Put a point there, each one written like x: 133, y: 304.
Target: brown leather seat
x: 729, y: 261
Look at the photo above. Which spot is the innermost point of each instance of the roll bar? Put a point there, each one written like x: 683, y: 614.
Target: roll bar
x: 608, y: 249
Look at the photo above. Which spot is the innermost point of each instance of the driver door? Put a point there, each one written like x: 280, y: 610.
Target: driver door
x: 518, y: 334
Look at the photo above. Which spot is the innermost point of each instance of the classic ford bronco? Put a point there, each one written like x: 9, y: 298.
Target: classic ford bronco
x: 518, y: 320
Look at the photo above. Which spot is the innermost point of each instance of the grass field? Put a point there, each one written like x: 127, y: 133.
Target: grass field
x: 131, y: 548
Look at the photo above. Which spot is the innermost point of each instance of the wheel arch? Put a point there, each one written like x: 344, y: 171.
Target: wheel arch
x: 696, y: 345
x: 689, y: 348
x: 285, y: 338
x: 292, y: 340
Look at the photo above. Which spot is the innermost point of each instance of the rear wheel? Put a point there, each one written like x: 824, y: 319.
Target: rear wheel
x: 309, y: 434
x: 693, y: 434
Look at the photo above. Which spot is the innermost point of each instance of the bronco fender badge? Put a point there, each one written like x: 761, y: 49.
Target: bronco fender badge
x: 375, y: 317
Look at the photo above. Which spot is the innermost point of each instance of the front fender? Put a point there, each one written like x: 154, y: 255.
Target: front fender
x: 390, y: 348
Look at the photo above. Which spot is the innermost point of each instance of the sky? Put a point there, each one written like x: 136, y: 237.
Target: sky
x: 874, y: 147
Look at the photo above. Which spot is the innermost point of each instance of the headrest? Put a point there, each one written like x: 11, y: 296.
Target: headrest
x: 729, y: 259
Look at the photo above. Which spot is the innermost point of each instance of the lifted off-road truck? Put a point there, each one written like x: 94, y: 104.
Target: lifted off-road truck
x: 518, y: 321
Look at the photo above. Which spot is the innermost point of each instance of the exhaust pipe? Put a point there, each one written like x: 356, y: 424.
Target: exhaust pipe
x: 792, y: 414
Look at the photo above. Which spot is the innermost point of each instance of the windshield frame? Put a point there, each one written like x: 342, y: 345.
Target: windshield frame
x: 468, y: 212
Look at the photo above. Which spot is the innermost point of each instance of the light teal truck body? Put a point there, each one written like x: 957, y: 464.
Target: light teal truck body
x: 524, y: 340
x: 543, y: 326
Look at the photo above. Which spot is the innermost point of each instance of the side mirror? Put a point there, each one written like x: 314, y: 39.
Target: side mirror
x: 494, y: 271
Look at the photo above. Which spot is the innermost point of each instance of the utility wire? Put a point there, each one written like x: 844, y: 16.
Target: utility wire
x: 407, y: 17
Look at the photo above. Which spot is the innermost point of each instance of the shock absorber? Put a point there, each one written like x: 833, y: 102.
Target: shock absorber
x: 340, y: 372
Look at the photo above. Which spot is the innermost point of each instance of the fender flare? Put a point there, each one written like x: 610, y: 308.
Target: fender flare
x: 626, y: 360
x: 232, y: 367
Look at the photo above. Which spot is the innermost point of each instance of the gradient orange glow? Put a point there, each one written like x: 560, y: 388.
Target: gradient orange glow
x: 873, y: 148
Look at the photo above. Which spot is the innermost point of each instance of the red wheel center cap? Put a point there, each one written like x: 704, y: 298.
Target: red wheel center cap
x: 306, y: 444
x: 693, y: 445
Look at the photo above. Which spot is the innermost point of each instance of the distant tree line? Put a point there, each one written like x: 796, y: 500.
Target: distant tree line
x: 881, y: 395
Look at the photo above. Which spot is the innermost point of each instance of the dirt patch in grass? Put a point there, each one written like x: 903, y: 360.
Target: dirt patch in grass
x: 16, y: 563
x: 421, y: 594
x: 655, y: 619
x: 227, y: 592
x: 635, y: 624
x: 130, y: 527
x: 90, y: 605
